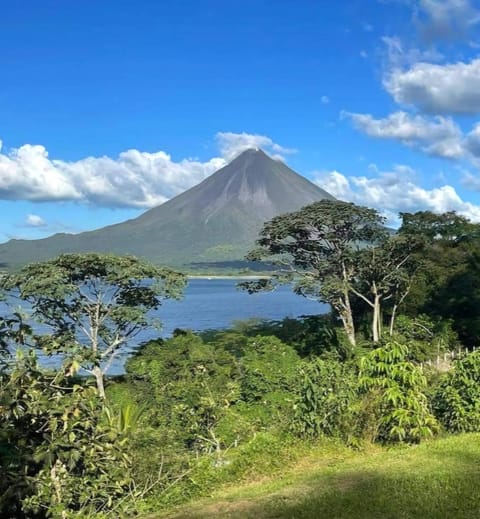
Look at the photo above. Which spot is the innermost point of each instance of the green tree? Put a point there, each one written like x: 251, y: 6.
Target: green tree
x: 92, y: 303
x: 318, y: 247
x: 386, y: 271
x: 447, y: 285
x: 444, y: 227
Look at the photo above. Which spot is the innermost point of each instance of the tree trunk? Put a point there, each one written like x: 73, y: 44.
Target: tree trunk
x: 376, y: 325
x: 98, y: 373
x: 392, y: 319
x: 346, y: 309
x: 345, y: 313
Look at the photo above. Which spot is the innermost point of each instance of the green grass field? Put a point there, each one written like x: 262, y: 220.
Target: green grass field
x: 439, y: 479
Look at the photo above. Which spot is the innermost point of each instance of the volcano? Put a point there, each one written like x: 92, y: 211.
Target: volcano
x: 215, y: 221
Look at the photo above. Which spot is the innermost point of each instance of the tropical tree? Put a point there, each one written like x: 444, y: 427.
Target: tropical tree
x: 318, y: 248
x: 93, y: 304
x: 386, y: 271
x: 444, y: 227
x: 448, y: 278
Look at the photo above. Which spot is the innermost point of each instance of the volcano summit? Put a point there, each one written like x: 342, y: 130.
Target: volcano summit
x: 215, y: 221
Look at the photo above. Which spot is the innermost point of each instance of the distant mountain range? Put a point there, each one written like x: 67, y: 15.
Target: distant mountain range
x: 215, y: 221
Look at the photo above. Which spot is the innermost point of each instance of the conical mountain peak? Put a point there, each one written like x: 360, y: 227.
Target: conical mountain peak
x: 218, y: 219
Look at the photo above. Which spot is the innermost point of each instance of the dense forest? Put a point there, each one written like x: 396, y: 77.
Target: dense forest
x: 196, y: 411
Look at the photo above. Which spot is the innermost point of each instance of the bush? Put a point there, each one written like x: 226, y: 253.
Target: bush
x: 326, y: 400
x: 456, y: 401
x: 425, y: 338
x: 61, y: 451
x: 189, y: 385
x: 268, y: 374
x: 395, y: 407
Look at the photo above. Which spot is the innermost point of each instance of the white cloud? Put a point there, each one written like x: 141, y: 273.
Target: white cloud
x: 452, y: 88
x: 472, y: 141
x: 445, y: 19
x: 442, y: 19
x: 133, y: 179
x: 33, y: 220
x: 325, y: 100
x: 395, y: 191
x: 232, y: 144
x: 398, y: 55
x: 438, y: 136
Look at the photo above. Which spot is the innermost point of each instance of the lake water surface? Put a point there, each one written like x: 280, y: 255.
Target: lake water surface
x: 217, y: 303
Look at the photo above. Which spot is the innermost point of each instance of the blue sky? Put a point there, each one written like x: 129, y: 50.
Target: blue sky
x: 109, y: 108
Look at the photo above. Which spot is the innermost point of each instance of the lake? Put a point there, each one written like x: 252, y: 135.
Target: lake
x: 217, y: 303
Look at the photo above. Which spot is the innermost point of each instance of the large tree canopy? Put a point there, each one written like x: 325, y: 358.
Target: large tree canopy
x: 448, y: 284
x: 318, y: 247
x: 93, y: 304
x: 334, y: 250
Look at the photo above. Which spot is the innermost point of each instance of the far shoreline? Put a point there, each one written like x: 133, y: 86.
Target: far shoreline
x: 233, y: 276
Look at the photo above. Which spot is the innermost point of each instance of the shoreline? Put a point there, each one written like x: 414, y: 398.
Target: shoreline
x: 226, y: 277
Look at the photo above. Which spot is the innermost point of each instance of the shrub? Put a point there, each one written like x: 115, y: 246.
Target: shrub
x: 425, y: 338
x: 395, y: 407
x: 190, y: 386
x: 326, y: 400
x: 62, y: 452
x: 456, y: 401
x: 268, y: 374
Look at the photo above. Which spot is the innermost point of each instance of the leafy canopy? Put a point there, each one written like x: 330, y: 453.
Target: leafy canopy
x: 92, y: 303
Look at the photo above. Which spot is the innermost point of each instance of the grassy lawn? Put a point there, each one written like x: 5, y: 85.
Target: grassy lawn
x: 438, y: 479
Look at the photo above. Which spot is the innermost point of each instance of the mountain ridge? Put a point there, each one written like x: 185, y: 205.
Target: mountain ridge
x: 215, y: 220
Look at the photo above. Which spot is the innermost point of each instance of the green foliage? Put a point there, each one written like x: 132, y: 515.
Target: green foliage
x: 189, y: 386
x: 62, y: 453
x: 268, y: 374
x: 446, y: 227
x: 425, y: 338
x: 326, y: 400
x: 459, y: 297
x: 308, y: 335
x: 448, y: 284
x: 93, y: 303
x: 456, y: 401
x: 396, y: 407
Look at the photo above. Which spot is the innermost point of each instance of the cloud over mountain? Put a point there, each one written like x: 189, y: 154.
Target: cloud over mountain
x: 133, y: 179
x: 232, y: 144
